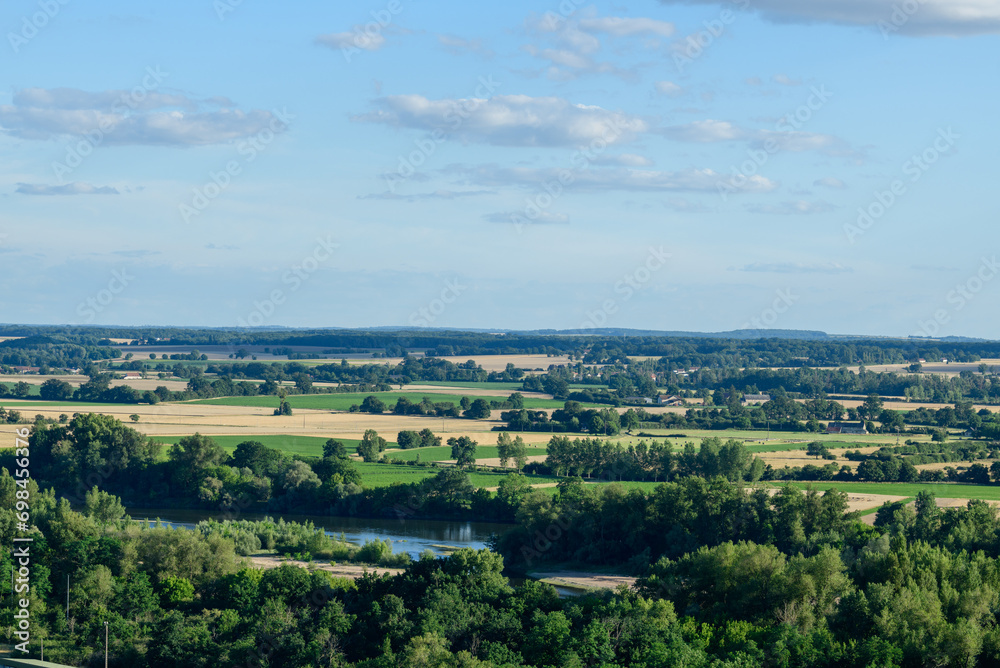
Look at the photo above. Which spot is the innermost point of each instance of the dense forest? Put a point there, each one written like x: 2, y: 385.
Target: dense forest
x: 729, y: 576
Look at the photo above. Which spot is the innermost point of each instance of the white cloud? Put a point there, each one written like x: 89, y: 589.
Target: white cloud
x: 166, y: 120
x: 786, y: 80
x: 460, y: 46
x: 796, y: 208
x: 796, y: 268
x: 76, y: 99
x: 417, y: 197
x: 372, y: 41
x: 668, y: 88
x: 519, y: 217
x: 604, y: 180
x: 622, y: 160
x: 75, y: 188
x: 576, y: 42
x: 932, y: 17
x: 508, y: 120
x: 627, y: 27
x: 703, y: 132
x: 682, y: 205
x: 830, y: 182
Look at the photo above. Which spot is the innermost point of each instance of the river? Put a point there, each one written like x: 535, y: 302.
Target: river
x: 407, y: 535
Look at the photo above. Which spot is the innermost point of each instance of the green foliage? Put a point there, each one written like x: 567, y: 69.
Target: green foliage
x: 174, y: 590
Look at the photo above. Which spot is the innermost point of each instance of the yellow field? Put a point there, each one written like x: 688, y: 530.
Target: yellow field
x: 184, y: 419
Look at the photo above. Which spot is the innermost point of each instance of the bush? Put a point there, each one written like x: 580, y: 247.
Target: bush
x: 374, y: 551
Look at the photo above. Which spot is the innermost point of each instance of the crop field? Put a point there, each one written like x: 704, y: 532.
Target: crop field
x: 443, y: 453
x: 343, y: 402
x: 904, y: 489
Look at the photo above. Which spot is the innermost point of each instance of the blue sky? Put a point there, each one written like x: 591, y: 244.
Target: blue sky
x: 659, y: 165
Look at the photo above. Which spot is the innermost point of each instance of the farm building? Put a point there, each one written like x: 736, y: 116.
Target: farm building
x: 755, y: 399
x: 668, y: 400
x: 639, y: 400
x: 132, y: 375
x: 846, y: 428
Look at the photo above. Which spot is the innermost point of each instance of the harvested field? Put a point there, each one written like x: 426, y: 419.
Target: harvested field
x: 798, y: 458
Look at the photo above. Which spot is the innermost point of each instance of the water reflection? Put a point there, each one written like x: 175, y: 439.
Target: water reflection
x: 407, y: 535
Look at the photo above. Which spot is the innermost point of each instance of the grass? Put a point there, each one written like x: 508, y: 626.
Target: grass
x: 471, y: 384
x: 385, y: 475
x: 343, y: 402
x: 940, y: 489
x: 444, y: 453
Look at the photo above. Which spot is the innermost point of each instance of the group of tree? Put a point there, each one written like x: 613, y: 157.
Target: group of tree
x: 656, y: 461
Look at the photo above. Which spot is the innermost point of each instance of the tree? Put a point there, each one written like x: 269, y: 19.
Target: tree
x: 104, y: 507
x: 872, y: 407
x: 516, y: 401
x: 463, y: 451
x: 630, y: 420
x: 408, y: 439
x: 373, y: 404
x: 479, y: 410
x: 192, y: 455
x: 371, y: 446
x: 55, y: 390
x: 260, y: 459
x: 134, y: 417
x: 816, y: 449
x: 284, y: 408
x: 21, y: 389
x: 519, y: 452
x: 334, y: 448
x: 504, y: 447
x: 428, y: 439
x: 303, y: 383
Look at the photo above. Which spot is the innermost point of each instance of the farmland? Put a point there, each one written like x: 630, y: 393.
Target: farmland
x: 344, y: 401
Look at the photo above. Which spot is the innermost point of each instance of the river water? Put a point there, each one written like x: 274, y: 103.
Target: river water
x: 407, y: 535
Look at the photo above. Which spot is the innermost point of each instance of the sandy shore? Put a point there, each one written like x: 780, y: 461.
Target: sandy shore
x: 352, y: 571
x: 582, y: 580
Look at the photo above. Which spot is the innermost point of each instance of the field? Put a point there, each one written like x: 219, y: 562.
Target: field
x: 508, y: 387
x: 443, y: 453
x: 384, y: 475
x: 941, y: 490
x: 343, y: 402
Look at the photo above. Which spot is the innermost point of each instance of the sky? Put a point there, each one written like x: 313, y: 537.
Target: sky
x: 699, y: 166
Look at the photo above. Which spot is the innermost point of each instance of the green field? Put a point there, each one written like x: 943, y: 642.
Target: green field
x: 443, y: 453
x: 343, y: 402
x: 384, y: 475
x: 512, y: 386
x: 941, y: 490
